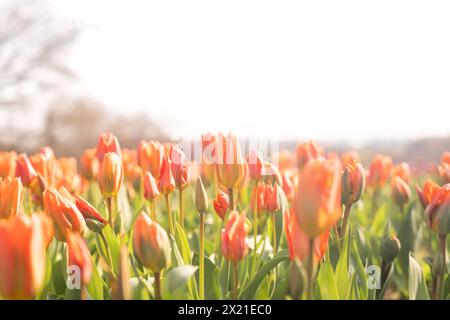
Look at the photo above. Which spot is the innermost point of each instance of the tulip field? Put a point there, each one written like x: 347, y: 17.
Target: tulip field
x: 153, y: 223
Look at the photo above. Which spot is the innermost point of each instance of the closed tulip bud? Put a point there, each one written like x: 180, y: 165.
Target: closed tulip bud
x: 221, y: 204
x: 7, y: 164
x: 37, y: 188
x: 11, y: 194
x: 65, y: 215
x: 317, y: 200
x: 353, y: 182
x: 150, y: 156
x: 234, y: 245
x: 110, y: 175
x: 180, y: 167
x: 403, y: 171
x: 166, y: 183
x: 229, y: 162
x: 151, y: 244
x: 24, y: 170
x: 401, y: 193
x: 389, y: 248
x: 271, y: 199
x: 427, y: 193
x: 444, y: 167
x: 151, y: 191
x: 297, y: 279
x: 107, y: 143
x: 255, y: 165
x: 258, y: 196
x: 79, y: 256
x: 92, y: 217
x: 379, y: 171
x: 89, y: 164
x: 201, y: 198
x: 438, y: 211
x: 23, y: 245
x: 298, y: 241
x: 349, y: 157
x: 307, y: 151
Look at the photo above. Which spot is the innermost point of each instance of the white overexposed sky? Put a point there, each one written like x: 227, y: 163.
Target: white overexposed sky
x: 328, y: 70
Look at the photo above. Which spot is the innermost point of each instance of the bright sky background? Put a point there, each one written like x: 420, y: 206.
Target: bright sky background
x: 328, y: 70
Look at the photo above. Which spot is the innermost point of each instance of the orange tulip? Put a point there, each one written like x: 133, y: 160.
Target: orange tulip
x: 7, y: 164
x: 317, y: 200
x: 11, y: 194
x: 110, y: 175
x: 349, y: 157
x: 64, y: 213
x: 92, y: 217
x: 427, y: 193
x: 403, y: 171
x: 24, y: 170
x: 23, y: 244
x: 79, y: 256
x: 271, y: 199
x: 288, y: 186
x: 255, y: 164
x: 379, y: 171
x: 166, y: 183
x: 151, y: 244
x: 89, y: 164
x: 150, y: 156
x: 180, y: 167
x: 107, y: 143
x: 401, y: 193
x: 353, y: 182
x: 438, y: 211
x: 221, y: 204
x: 307, y: 151
x: 229, y: 162
x: 151, y: 191
x: 298, y: 241
x: 444, y: 167
x: 234, y: 246
x: 258, y: 196
x: 272, y: 174
x: 47, y: 166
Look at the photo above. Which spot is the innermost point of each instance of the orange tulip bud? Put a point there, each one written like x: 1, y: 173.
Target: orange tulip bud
x: 229, y: 162
x: 221, y: 204
x: 401, y: 193
x: 427, y: 193
x: 271, y: 199
x: 7, y: 164
x: 298, y: 241
x: 92, y: 217
x: 89, y: 164
x: 110, y: 175
x: 349, y: 158
x: 317, y: 200
x: 258, y: 196
x: 234, y: 245
x: 151, y: 244
x: 11, y: 194
x: 438, y: 211
x: 151, y: 191
x: 180, y: 167
x: 379, y: 171
x: 79, y: 256
x: 47, y: 166
x: 255, y: 164
x: 444, y: 167
x: 288, y: 186
x: 37, y: 187
x: 150, y: 156
x: 307, y: 151
x: 353, y: 182
x: 107, y: 143
x: 23, y: 244
x: 65, y: 215
x: 24, y: 170
x: 166, y: 183
x: 403, y: 171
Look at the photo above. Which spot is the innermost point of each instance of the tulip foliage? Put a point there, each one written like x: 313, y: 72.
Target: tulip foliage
x: 154, y: 223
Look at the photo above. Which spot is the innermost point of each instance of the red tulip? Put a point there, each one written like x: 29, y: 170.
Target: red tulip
x: 379, y: 171
x: 24, y: 170
x: 90, y: 214
x: 307, y: 151
x: 79, y: 256
x: 151, y: 191
x: 353, y: 182
x: 271, y: 199
x: 438, y: 211
x: 107, y: 142
x: 427, y: 193
x: 166, y: 183
x: 221, y: 204
x: 234, y: 246
x: 180, y: 167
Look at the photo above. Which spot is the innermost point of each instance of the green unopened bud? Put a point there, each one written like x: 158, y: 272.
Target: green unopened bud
x: 297, y: 279
x: 201, y: 198
x: 94, y: 225
x: 389, y: 248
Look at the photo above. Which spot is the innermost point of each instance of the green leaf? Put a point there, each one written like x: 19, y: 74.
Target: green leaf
x: 249, y: 292
x: 284, y: 205
x: 212, y: 287
x: 176, y: 281
x: 342, y: 268
x: 361, y: 273
x: 183, y: 244
x: 114, y: 247
x: 416, y: 284
x: 95, y: 286
x: 327, y: 282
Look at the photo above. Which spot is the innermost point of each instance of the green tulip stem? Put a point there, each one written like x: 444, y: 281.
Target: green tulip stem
x: 440, y: 280
x: 202, y: 257
x: 157, y: 286
x: 310, y: 269
x: 169, y: 212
